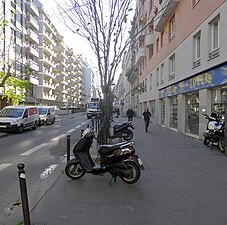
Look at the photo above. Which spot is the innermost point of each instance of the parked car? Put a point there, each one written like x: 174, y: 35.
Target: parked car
x: 18, y: 118
x: 46, y: 115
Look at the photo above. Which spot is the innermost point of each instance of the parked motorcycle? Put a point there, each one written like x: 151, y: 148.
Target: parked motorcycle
x: 123, y: 131
x: 215, y: 131
x: 120, y: 160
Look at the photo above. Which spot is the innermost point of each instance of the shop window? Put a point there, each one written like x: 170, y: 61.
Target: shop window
x: 196, y: 49
x: 218, y: 101
x: 192, y: 113
x: 152, y: 110
x: 174, y: 112
x: 162, y: 111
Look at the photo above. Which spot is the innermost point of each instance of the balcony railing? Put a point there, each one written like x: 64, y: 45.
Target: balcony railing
x: 149, y: 40
x: 140, y: 55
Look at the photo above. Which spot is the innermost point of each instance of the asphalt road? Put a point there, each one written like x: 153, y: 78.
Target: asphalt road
x: 41, y: 150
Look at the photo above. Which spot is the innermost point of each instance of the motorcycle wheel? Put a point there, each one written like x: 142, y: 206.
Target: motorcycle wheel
x: 74, y: 170
x: 135, y: 173
x: 128, y: 135
x: 221, y: 144
x: 206, y: 141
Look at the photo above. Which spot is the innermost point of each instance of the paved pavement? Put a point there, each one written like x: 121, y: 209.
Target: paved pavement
x: 184, y: 183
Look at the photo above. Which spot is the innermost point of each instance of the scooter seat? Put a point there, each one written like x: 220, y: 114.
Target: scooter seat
x: 118, y: 126
x: 108, y: 149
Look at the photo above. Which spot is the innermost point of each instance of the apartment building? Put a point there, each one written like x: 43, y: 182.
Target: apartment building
x: 180, y: 61
x: 41, y: 56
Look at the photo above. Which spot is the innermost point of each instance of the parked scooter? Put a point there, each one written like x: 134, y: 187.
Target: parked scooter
x: 120, y: 160
x: 215, y: 131
x: 123, y: 131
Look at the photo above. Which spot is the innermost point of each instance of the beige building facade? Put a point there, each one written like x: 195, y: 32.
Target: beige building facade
x: 180, y: 52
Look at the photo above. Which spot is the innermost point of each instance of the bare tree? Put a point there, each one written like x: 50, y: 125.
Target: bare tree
x: 105, y: 25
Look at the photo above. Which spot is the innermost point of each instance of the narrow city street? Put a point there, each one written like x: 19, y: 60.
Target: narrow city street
x: 184, y: 182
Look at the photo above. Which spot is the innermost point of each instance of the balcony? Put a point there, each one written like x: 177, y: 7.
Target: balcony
x: 59, y: 58
x: 33, y: 8
x: 59, y: 37
x: 149, y: 40
x: 33, y: 36
x: 69, y: 69
x: 34, y: 51
x: 140, y: 55
x: 166, y: 9
x: 70, y: 52
x: 34, y: 22
x: 69, y: 60
x: 58, y: 48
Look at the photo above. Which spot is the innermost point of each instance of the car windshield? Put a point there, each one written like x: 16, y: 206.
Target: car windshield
x: 15, y: 113
x: 93, y: 105
x: 43, y: 111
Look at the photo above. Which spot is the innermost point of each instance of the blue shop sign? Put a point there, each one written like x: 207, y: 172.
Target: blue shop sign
x: 212, y: 78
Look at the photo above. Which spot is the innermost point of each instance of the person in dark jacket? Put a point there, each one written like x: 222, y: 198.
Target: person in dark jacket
x: 129, y: 114
x: 146, y: 116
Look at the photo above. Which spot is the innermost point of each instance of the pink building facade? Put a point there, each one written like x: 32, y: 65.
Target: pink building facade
x: 181, y: 58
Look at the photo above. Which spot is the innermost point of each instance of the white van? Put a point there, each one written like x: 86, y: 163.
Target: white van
x: 46, y: 115
x: 18, y: 118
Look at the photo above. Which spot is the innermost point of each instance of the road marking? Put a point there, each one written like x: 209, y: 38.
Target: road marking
x: 70, y: 131
x: 78, y: 126
x: 58, y: 137
x: 29, y: 152
x: 4, y: 165
x: 48, y: 171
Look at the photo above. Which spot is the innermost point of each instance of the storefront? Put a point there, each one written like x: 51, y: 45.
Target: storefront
x: 187, y: 98
x: 162, y: 111
x: 174, y: 112
x: 192, y: 113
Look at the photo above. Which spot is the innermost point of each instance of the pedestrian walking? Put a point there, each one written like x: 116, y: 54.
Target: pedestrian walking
x: 146, y: 116
x: 129, y: 114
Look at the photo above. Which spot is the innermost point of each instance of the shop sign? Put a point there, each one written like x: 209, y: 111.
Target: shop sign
x: 208, y: 79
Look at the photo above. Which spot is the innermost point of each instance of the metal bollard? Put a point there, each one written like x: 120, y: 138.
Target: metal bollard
x: 68, y: 148
x: 24, y: 196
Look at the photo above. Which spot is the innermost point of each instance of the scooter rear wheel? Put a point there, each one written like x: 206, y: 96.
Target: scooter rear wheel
x: 135, y: 173
x: 206, y: 141
x: 74, y: 170
x: 128, y: 135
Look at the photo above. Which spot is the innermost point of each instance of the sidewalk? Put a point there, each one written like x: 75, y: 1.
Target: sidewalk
x: 184, y: 183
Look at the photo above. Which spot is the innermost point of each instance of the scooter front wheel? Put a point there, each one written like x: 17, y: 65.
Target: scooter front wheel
x: 134, y: 175
x: 74, y: 170
x: 221, y: 144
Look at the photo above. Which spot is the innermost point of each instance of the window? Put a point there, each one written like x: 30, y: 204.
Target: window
x: 162, y: 39
x: 162, y: 73
x: 157, y: 75
x: 157, y: 45
x: 214, y: 26
x: 151, y: 81
x: 172, y: 28
x: 194, y: 2
x: 172, y: 67
x: 145, y: 84
x: 151, y: 52
x: 196, y: 49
